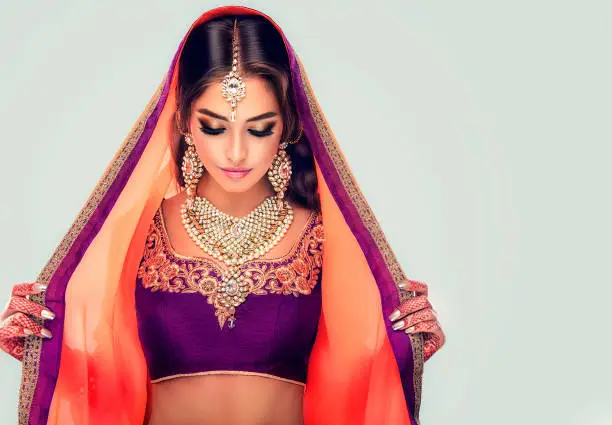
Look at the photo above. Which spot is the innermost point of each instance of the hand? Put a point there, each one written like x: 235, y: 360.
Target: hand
x: 417, y: 315
x: 15, y: 323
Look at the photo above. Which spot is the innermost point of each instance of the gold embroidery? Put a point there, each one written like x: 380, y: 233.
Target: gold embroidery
x: 227, y: 372
x: 371, y: 223
x: 33, y: 344
x: 295, y: 273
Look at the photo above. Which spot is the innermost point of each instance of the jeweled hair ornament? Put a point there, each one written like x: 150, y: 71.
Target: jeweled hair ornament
x: 233, y: 88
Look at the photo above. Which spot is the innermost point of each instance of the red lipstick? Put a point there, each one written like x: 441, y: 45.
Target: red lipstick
x: 236, y: 173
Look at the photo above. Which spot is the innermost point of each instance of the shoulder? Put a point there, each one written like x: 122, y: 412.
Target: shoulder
x: 308, y: 220
x: 300, y: 213
x: 172, y: 206
x: 303, y: 216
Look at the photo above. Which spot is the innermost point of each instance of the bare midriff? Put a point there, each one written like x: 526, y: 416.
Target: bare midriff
x: 226, y: 399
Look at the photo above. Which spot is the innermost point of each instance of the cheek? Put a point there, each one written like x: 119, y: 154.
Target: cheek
x: 267, y: 149
x: 265, y: 154
x: 210, y: 153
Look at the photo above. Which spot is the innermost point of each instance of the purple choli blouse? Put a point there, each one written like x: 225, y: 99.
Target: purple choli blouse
x: 275, y: 327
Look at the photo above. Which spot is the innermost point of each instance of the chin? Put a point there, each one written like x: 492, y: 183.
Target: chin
x: 236, y: 188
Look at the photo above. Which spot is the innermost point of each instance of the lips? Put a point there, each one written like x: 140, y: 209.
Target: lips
x: 236, y: 173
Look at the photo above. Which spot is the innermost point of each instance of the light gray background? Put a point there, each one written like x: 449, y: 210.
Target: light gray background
x: 479, y: 132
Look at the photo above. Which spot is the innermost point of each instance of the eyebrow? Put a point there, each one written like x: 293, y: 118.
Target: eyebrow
x: 221, y: 117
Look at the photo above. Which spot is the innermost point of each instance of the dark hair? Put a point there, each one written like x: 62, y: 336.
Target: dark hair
x: 207, y: 56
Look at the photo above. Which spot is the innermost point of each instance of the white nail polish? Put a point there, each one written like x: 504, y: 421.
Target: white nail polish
x: 47, y: 314
x: 398, y: 325
x: 395, y: 315
x: 40, y: 287
x: 45, y: 333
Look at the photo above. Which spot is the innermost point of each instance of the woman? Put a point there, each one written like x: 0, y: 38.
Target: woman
x: 233, y: 143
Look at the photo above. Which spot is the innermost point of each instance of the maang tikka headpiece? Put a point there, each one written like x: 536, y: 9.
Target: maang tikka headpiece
x: 233, y: 88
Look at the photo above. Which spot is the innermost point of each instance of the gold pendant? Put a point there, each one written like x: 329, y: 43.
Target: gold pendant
x: 231, y: 292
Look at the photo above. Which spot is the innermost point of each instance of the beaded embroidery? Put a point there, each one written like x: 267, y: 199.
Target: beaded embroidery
x: 296, y: 273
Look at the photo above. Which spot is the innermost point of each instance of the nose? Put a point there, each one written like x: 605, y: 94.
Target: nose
x: 237, y: 150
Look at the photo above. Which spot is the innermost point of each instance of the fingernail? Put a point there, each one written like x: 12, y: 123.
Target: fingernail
x: 404, y: 285
x: 395, y: 315
x: 47, y: 314
x: 40, y: 287
x: 398, y: 325
x: 26, y: 331
x: 410, y: 329
x: 45, y: 333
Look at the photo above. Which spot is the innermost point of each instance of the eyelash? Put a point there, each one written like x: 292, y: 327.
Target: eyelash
x: 216, y: 131
x: 211, y: 131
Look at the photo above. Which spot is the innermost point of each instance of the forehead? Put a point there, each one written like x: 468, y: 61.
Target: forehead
x: 259, y: 98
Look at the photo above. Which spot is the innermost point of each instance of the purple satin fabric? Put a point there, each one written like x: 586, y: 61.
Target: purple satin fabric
x: 274, y: 333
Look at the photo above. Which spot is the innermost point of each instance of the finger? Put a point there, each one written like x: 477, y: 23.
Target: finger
x: 20, y: 319
x: 20, y: 304
x: 409, y: 306
x: 429, y: 326
x: 433, y: 337
x: 23, y: 321
x: 412, y: 319
x: 14, y: 331
x: 27, y: 288
x: 433, y: 342
x: 414, y: 285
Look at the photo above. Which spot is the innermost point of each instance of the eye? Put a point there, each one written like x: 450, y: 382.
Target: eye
x: 263, y: 133
x: 212, y: 131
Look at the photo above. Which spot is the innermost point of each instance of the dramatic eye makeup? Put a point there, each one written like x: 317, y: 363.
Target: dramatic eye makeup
x: 213, y: 129
x: 210, y: 129
x: 266, y: 131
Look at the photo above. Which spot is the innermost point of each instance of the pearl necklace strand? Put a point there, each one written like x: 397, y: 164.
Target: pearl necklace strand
x: 235, y: 241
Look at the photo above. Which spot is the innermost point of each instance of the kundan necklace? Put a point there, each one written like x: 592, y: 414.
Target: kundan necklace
x: 235, y: 241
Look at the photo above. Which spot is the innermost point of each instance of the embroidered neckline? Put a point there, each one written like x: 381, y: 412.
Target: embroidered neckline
x: 295, y: 248
x: 295, y: 273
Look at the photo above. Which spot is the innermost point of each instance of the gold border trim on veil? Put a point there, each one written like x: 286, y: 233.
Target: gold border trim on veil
x: 33, y: 344
x: 371, y: 223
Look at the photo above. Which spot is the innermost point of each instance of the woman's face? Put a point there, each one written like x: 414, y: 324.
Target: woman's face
x: 237, y: 154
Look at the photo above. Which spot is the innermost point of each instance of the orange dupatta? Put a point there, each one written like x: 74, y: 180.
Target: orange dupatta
x: 93, y: 370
